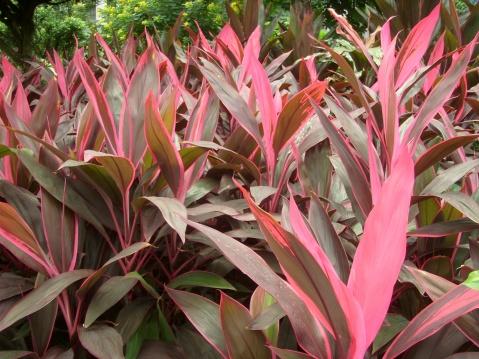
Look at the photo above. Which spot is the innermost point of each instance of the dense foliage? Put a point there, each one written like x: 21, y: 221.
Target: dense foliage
x: 54, y: 24
x: 228, y: 199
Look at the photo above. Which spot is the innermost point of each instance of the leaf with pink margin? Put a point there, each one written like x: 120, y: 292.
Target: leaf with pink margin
x: 415, y: 46
x: 241, y: 341
x: 162, y: 146
x: 145, y: 80
x: 310, y: 335
x: 98, y: 99
x: 440, y: 93
x: 354, y: 37
x: 204, y: 315
x: 435, y: 56
x: 456, y: 302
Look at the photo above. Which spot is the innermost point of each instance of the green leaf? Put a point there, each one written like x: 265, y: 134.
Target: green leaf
x: 41, y: 297
x: 92, y: 279
x: 462, y: 202
x: 472, y: 280
x: 200, y: 279
x: 166, y: 333
x: 260, y: 303
x: 131, y: 316
x: 149, y: 330
x: 393, y: 324
x: 135, y: 247
x: 254, y: 266
x: 144, y: 284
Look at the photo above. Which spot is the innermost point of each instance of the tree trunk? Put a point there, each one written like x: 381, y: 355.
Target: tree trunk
x: 26, y: 29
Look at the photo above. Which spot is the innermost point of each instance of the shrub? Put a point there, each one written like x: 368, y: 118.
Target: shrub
x: 220, y: 206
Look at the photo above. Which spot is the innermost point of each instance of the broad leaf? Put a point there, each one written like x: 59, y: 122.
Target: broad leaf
x: 101, y: 341
x: 41, y: 296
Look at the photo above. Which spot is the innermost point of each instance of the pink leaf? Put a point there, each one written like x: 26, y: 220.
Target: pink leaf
x: 382, y: 249
x: 387, y: 98
x: 61, y: 78
x: 415, y: 46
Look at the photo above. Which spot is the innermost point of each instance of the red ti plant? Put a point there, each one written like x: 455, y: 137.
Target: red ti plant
x: 337, y: 218
x: 337, y: 308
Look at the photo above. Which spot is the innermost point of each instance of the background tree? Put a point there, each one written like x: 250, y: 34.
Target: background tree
x: 57, y: 26
x: 18, y: 30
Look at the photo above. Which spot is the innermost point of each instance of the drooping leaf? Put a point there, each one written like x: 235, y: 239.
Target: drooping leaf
x: 119, y: 168
x: 448, y: 177
x: 458, y: 301
x: 173, y: 211
x: 56, y: 187
x: 12, y: 285
x: 200, y: 279
x: 310, y: 335
x: 440, y: 150
x: 41, y: 296
x: 109, y: 293
x: 102, y: 341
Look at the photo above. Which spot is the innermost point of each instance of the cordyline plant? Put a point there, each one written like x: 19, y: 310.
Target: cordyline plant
x: 219, y: 206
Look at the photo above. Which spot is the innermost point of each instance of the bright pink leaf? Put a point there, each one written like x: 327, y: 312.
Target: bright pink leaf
x: 382, y: 249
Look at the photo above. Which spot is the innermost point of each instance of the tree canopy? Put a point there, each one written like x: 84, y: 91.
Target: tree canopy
x: 31, y: 27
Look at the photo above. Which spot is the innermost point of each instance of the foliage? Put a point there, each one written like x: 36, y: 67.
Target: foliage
x: 218, y: 201
x: 120, y: 17
x: 56, y: 27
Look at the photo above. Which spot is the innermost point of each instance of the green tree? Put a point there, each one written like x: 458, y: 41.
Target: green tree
x: 57, y: 26
x: 118, y: 17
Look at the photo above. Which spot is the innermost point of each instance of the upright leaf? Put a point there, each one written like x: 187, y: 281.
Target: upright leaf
x: 109, y: 293
x: 204, y: 315
x: 162, y: 146
x: 382, y: 248
x: 242, y: 342
x: 41, y: 296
